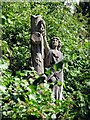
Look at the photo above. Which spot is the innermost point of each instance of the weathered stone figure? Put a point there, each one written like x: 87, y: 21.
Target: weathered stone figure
x: 37, y: 43
x: 53, y: 55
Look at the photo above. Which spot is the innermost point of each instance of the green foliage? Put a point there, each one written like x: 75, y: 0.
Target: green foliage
x: 25, y: 95
x: 16, y: 32
x: 22, y: 99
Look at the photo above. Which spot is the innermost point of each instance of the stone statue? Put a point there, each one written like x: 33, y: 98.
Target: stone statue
x: 53, y: 55
x: 43, y: 55
x: 37, y: 43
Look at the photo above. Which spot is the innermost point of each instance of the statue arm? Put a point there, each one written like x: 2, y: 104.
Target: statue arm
x: 46, y: 45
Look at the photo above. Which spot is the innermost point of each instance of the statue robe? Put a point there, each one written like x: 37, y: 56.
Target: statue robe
x: 37, y: 52
x: 52, y: 57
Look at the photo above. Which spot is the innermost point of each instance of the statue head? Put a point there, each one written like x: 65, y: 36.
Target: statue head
x: 37, y: 24
x: 55, y: 42
x: 41, y: 26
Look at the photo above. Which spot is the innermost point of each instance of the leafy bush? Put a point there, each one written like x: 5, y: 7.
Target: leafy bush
x: 23, y: 100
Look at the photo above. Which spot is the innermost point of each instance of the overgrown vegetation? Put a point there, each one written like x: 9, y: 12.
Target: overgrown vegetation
x: 21, y: 99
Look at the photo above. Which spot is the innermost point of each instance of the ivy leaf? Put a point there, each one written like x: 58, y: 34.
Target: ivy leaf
x: 58, y: 66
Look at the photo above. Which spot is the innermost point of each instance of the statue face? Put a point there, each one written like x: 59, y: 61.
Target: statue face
x: 42, y: 29
x: 55, y: 43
